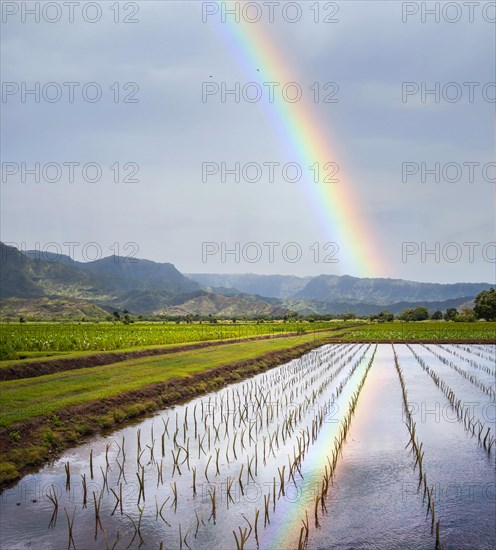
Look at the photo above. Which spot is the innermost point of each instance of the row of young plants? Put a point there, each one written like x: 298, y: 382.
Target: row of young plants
x: 216, y: 451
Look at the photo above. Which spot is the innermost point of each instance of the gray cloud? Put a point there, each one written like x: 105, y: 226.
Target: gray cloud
x: 171, y: 132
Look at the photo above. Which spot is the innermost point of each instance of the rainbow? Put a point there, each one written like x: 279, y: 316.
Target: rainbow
x: 335, y: 204
x: 289, y: 519
x: 290, y: 514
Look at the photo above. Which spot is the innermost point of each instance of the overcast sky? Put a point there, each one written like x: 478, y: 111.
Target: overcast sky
x: 163, y: 137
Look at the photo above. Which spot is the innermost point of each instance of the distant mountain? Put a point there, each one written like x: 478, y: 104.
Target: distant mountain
x: 309, y: 307
x: 50, y: 308
x: 329, y: 288
x: 148, y: 301
x: 125, y: 274
x: 333, y: 289
x: 23, y: 277
x: 55, y: 285
x: 208, y: 303
x: 51, y: 285
x: 268, y: 286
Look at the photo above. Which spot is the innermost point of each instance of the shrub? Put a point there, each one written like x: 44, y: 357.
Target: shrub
x: 84, y: 428
x: 105, y: 422
x: 119, y: 415
x: 48, y: 438
x: 136, y: 409
x: 15, y: 436
x: 201, y: 387
x: 56, y: 421
x: 8, y: 472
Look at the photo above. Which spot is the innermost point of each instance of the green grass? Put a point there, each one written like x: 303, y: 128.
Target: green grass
x: 43, y: 339
x: 40, y: 357
x: 426, y: 330
x: 23, y: 399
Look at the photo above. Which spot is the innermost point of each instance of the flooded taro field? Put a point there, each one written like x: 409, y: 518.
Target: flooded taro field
x: 349, y: 446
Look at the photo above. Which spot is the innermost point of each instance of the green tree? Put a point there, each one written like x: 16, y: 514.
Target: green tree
x: 405, y: 315
x: 385, y: 316
x: 485, y: 305
x: 437, y: 315
x: 291, y: 316
x: 419, y: 313
x: 451, y: 314
x: 465, y: 313
x: 348, y: 316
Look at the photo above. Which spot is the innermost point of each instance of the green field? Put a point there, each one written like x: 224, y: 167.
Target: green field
x: 20, y: 341
x: 38, y: 339
x: 425, y: 330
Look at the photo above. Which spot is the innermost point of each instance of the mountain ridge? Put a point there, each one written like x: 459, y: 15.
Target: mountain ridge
x: 332, y: 288
x: 153, y: 288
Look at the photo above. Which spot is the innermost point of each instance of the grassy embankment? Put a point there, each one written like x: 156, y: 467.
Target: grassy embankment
x: 435, y: 331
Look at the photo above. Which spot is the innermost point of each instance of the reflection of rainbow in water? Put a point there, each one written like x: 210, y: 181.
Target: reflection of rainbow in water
x: 303, y: 135
x: 290, y: 513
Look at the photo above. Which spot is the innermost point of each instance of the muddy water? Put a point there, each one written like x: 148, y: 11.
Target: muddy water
x: 242, y: 442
